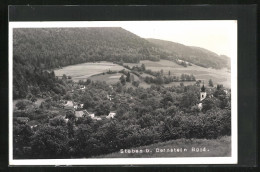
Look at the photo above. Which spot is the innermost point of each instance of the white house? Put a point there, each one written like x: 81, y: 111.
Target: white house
x: 82, y: 87
x: 200, y: 106
x: 92, y: 115
x: 111, y: 115
x: 97, y: 118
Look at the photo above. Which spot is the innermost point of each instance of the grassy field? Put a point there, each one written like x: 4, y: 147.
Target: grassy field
x: 218, y: 76
x: 85, y: 70
x: 179, y: 148
x: 109, y: 78
x: 90, y: 70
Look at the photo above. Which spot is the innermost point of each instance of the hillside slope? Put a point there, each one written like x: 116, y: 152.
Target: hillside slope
x: 54, y: 47
x: 196, y: 55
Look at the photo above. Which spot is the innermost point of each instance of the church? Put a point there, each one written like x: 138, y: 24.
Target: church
x: 203, y: 95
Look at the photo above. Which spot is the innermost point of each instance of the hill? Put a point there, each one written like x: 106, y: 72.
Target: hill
x: 195, y: 55
x: 36, y: 50
x: 54, y: 47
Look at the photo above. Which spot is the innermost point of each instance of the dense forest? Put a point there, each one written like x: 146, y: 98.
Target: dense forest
x: 195, y: 55
x: 143, y: 117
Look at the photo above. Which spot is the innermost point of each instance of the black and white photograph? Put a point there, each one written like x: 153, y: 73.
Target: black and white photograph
x: 123, y: 92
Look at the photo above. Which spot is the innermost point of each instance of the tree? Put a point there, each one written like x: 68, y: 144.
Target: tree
x: 50, y: 142
x: 161, y: 71
x: 70, y: 115
x: 211, y: 83
x: 169, y: 73
x: 143, y: 67
x: 103, y: 108
x: 57, y: 121
x: 122, y: 79
x: 128, y: 79
x: 21, y: 105
x: 64, y: 77
x: 135, y: 83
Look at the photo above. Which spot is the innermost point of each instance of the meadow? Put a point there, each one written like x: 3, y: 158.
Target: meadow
x: 218, y: 76
x: 85, y: 70
x: 94, y: 72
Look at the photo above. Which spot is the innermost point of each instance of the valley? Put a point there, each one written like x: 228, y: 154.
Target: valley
x: 89, y: 92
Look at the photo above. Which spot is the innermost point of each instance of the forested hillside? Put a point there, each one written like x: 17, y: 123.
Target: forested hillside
x: 196, y: 55
x: 38, y: 49
x: 55, y: 47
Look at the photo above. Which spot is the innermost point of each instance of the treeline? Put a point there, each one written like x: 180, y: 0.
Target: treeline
x: 157, y: 77
x: 143, y: 117
x: 168, y: 79
x: 49, y: 48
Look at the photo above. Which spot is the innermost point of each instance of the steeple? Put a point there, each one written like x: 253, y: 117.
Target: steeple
x: 203, y: 93
x: 203, y: 88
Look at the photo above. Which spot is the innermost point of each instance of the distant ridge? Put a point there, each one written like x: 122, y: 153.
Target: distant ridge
x: 196, y: 55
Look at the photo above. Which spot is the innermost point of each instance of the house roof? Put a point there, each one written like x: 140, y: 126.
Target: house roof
x: 69, y: 104
x: 79, y: 114
x: 203, y: 88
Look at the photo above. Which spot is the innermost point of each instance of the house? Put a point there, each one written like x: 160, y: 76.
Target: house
x: 111, y: 115
x: 82, y: 87
x: 109, y: 97
x: 97, y: 118
x: 64, y: 117
x: 79, y: 114
x: 200, y: 106
x: 69, y: 105
x: 226, y: 92
x: 92, y: 115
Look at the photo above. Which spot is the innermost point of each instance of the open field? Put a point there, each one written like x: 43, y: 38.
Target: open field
x: 108, y: 78
x: 194, y: 148
x: 85, y: 70
x: 218, y: 76
x: 91, y: 70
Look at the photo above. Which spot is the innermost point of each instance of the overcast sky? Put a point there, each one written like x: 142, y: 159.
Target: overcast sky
x: 219, y: 36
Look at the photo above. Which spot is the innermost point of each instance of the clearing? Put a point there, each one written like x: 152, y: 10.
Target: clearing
x: 219, y: 76
x: 85, y: 70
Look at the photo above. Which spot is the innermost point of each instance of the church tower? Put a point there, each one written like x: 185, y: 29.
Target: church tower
x: 203, y: 93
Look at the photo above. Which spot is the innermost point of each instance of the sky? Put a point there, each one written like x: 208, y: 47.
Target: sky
x: 216, y: 36
x: 219, y: 36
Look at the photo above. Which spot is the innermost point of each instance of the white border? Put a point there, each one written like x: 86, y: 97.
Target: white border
x: 121, y: 161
